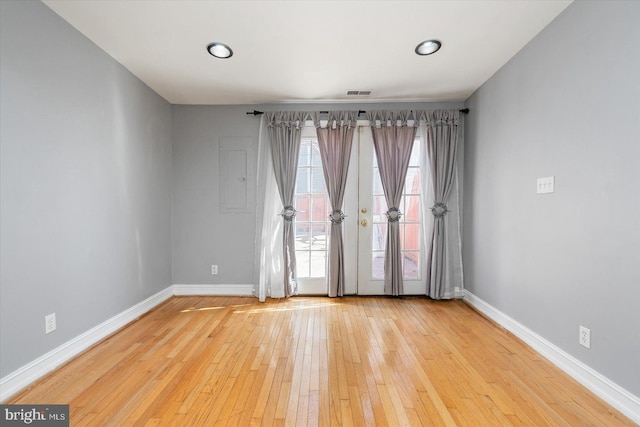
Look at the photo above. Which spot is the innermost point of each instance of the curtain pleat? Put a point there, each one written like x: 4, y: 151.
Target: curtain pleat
x: 285, y: 132
x: 393, y: 136
x: 335, y: 142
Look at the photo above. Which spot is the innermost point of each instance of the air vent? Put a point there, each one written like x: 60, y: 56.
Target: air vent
x: 358, y: 92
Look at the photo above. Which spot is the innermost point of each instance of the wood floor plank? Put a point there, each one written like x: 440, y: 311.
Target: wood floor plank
x: 361, y: 361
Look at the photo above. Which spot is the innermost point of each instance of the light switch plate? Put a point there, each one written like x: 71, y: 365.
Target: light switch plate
x: 546, y: 185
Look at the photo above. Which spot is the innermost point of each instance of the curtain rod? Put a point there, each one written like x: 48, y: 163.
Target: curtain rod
x: 257, y: 113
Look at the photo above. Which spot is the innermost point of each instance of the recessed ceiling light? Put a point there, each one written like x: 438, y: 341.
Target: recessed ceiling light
x: 428, y: 47
x: 220, y: 50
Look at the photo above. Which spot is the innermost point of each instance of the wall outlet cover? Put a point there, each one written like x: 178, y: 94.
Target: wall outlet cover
x: 584, y: 337
x: 49, y: 323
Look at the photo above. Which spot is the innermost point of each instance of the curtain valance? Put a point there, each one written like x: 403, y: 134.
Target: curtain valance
x: 385, y: 118
x: 439, y: 117
x: 378, y: 118
x: 285, y: 119
x: 334, y: 119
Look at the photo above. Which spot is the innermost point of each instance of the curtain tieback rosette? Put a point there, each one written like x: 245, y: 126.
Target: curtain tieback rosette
x: 337, y: 217
x: 393, y: 214
x: 439, y: 210
x: 288, y: 213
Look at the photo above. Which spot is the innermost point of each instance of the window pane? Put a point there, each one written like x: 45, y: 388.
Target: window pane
x: 302, y: 180
x: 319, y: 208
x: 414, y: 160
x: 377, y: 265
x: 411, y: 265
x: 305, y: 151
x: 315, y: 155
x: 302, y: 206
x: 318, y: 263
x: 412, y: 183
x: 302, y: 261
x: 303, y: 238
x: 377, y: 183
x: 411, y: 236
x: 317, y: 181
x: 412, y: 209
x: 379, y: 208
x: 379, y: 236
x: 318, y: 237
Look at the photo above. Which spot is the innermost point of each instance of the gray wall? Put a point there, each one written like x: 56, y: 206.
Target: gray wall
x: 85, y: 184
x: 202, y: 235
x: 566, y: 105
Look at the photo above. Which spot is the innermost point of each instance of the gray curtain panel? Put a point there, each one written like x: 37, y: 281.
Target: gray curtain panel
x: 393, y: 138
x: 285, y: 131
x: 335, y: 141
x: 442, y: 147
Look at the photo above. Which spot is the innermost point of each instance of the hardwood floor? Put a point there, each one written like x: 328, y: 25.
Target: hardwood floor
x: 228, y: 361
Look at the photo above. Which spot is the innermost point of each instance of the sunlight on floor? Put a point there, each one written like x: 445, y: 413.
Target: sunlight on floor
x: 193, y: 309
x: 297, y: 304
x: 291, y: 305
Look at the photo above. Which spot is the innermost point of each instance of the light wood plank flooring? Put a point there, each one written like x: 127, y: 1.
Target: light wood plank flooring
x: 356, y: 361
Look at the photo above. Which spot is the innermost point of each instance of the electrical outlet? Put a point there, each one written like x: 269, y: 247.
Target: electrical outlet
x: 214, y: 270
x: 49, y: 323
x: 585, y: 337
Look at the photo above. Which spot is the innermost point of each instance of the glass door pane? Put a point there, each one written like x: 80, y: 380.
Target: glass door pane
x: 409, y: 222
x: 373, y: 231
x: 312, y: 221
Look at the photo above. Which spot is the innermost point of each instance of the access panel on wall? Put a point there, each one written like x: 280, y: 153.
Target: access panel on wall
x: 237, y: 174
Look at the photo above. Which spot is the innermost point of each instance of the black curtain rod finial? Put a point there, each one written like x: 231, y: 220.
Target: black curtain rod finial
x: 255, y: 112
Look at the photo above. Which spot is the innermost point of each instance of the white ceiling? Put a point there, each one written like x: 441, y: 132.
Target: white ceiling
x: 309, y: 51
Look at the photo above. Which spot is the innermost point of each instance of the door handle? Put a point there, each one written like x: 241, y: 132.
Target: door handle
x: 363, y: 210
x: 363, y: 223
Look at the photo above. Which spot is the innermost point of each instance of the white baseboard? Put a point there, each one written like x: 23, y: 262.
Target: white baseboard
x: 229, y: 290
x: 21, y: 378
x: 603, y: 387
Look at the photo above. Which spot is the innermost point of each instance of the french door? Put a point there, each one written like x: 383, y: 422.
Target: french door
x: 365, y: 225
